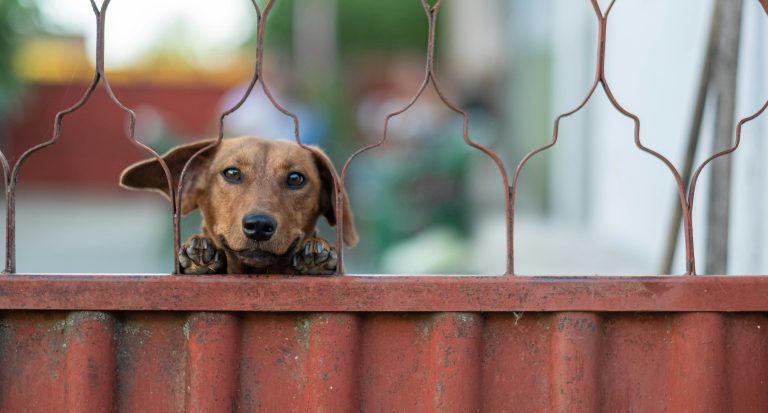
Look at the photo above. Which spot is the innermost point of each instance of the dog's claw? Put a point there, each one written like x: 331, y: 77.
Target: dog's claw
x: 192, y: 250
x: 199, y: 256
x: 331, y: 262
x: 316, y: 257
x: 184, y: 260
x: 208, y: 252
x: 321, y: 254
x: 307, y: 255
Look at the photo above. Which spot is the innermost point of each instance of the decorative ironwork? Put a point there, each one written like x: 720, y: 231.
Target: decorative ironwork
x: 431, y: 10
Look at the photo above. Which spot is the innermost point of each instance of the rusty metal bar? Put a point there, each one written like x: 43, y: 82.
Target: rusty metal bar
x: 100, y: 44
x: 729, y: 59
x: 430, y: 77
x: 727, y: 151
x: 13, y: 176
x: 694, y: 135
x: 600, y: 79
x: 258, y: 77
x: 383, y: 293
x: 686, y: 201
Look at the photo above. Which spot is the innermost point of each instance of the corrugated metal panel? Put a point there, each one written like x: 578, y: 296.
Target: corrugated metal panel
x: 462, y: 362
x: 381, y: 361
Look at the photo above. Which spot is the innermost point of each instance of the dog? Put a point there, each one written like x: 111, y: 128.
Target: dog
x: 260, y: 201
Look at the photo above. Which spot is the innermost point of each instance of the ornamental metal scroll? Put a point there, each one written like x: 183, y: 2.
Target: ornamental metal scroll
x: 739, y: 126
x: 262, y: 16
x: 100, y: 77
x: 430, y: 77
x: 686, y: 201
x: 12, y: 175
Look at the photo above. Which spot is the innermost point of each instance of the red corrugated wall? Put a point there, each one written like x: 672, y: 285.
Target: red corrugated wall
x: 383, y: 344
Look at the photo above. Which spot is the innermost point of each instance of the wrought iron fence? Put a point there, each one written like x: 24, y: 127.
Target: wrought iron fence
x: 686, y: 189
x: 236, y: 343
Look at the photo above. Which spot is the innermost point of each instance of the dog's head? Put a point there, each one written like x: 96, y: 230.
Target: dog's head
x: 259, y: 198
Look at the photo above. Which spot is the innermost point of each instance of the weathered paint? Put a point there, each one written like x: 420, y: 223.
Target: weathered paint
x: 352, y: 351
x: 383, y: 293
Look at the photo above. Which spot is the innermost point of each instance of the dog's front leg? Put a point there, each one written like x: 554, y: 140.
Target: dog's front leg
x: 199, y: 256
x: 316, y: 257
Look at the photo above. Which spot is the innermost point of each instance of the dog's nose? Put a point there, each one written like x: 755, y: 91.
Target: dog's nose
x: 259, y: 227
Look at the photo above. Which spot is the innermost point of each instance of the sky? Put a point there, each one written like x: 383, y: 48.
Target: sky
x: 136, y: 27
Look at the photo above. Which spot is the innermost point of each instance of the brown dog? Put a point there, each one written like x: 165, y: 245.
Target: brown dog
x: 260, y: 200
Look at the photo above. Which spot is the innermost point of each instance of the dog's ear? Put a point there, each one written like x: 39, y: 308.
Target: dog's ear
x: 328, y: 199
x: 149, y: 175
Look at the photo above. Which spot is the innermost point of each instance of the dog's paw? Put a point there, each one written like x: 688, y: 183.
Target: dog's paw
x: 316, y: 257
x: 199, y: 256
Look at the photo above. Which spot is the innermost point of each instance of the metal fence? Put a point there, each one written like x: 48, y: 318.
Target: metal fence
x: 96, y: 343
x: 686, y: 188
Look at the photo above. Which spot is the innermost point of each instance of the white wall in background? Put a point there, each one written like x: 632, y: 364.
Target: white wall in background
x: 654, y: 52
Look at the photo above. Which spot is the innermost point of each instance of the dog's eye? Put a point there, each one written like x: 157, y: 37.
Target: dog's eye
x: 231, y: 174
x: 295, y: 180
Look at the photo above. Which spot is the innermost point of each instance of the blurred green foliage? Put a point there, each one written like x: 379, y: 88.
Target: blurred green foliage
x: 408, y: 193
x: 372, y: 25
x: 363, y: 26
x: 17, y: 17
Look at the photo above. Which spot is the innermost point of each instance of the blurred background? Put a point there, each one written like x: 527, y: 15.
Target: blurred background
x: 425, y: 203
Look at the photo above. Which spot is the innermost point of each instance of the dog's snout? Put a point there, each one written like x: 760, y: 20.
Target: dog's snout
x: 259, y: 227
